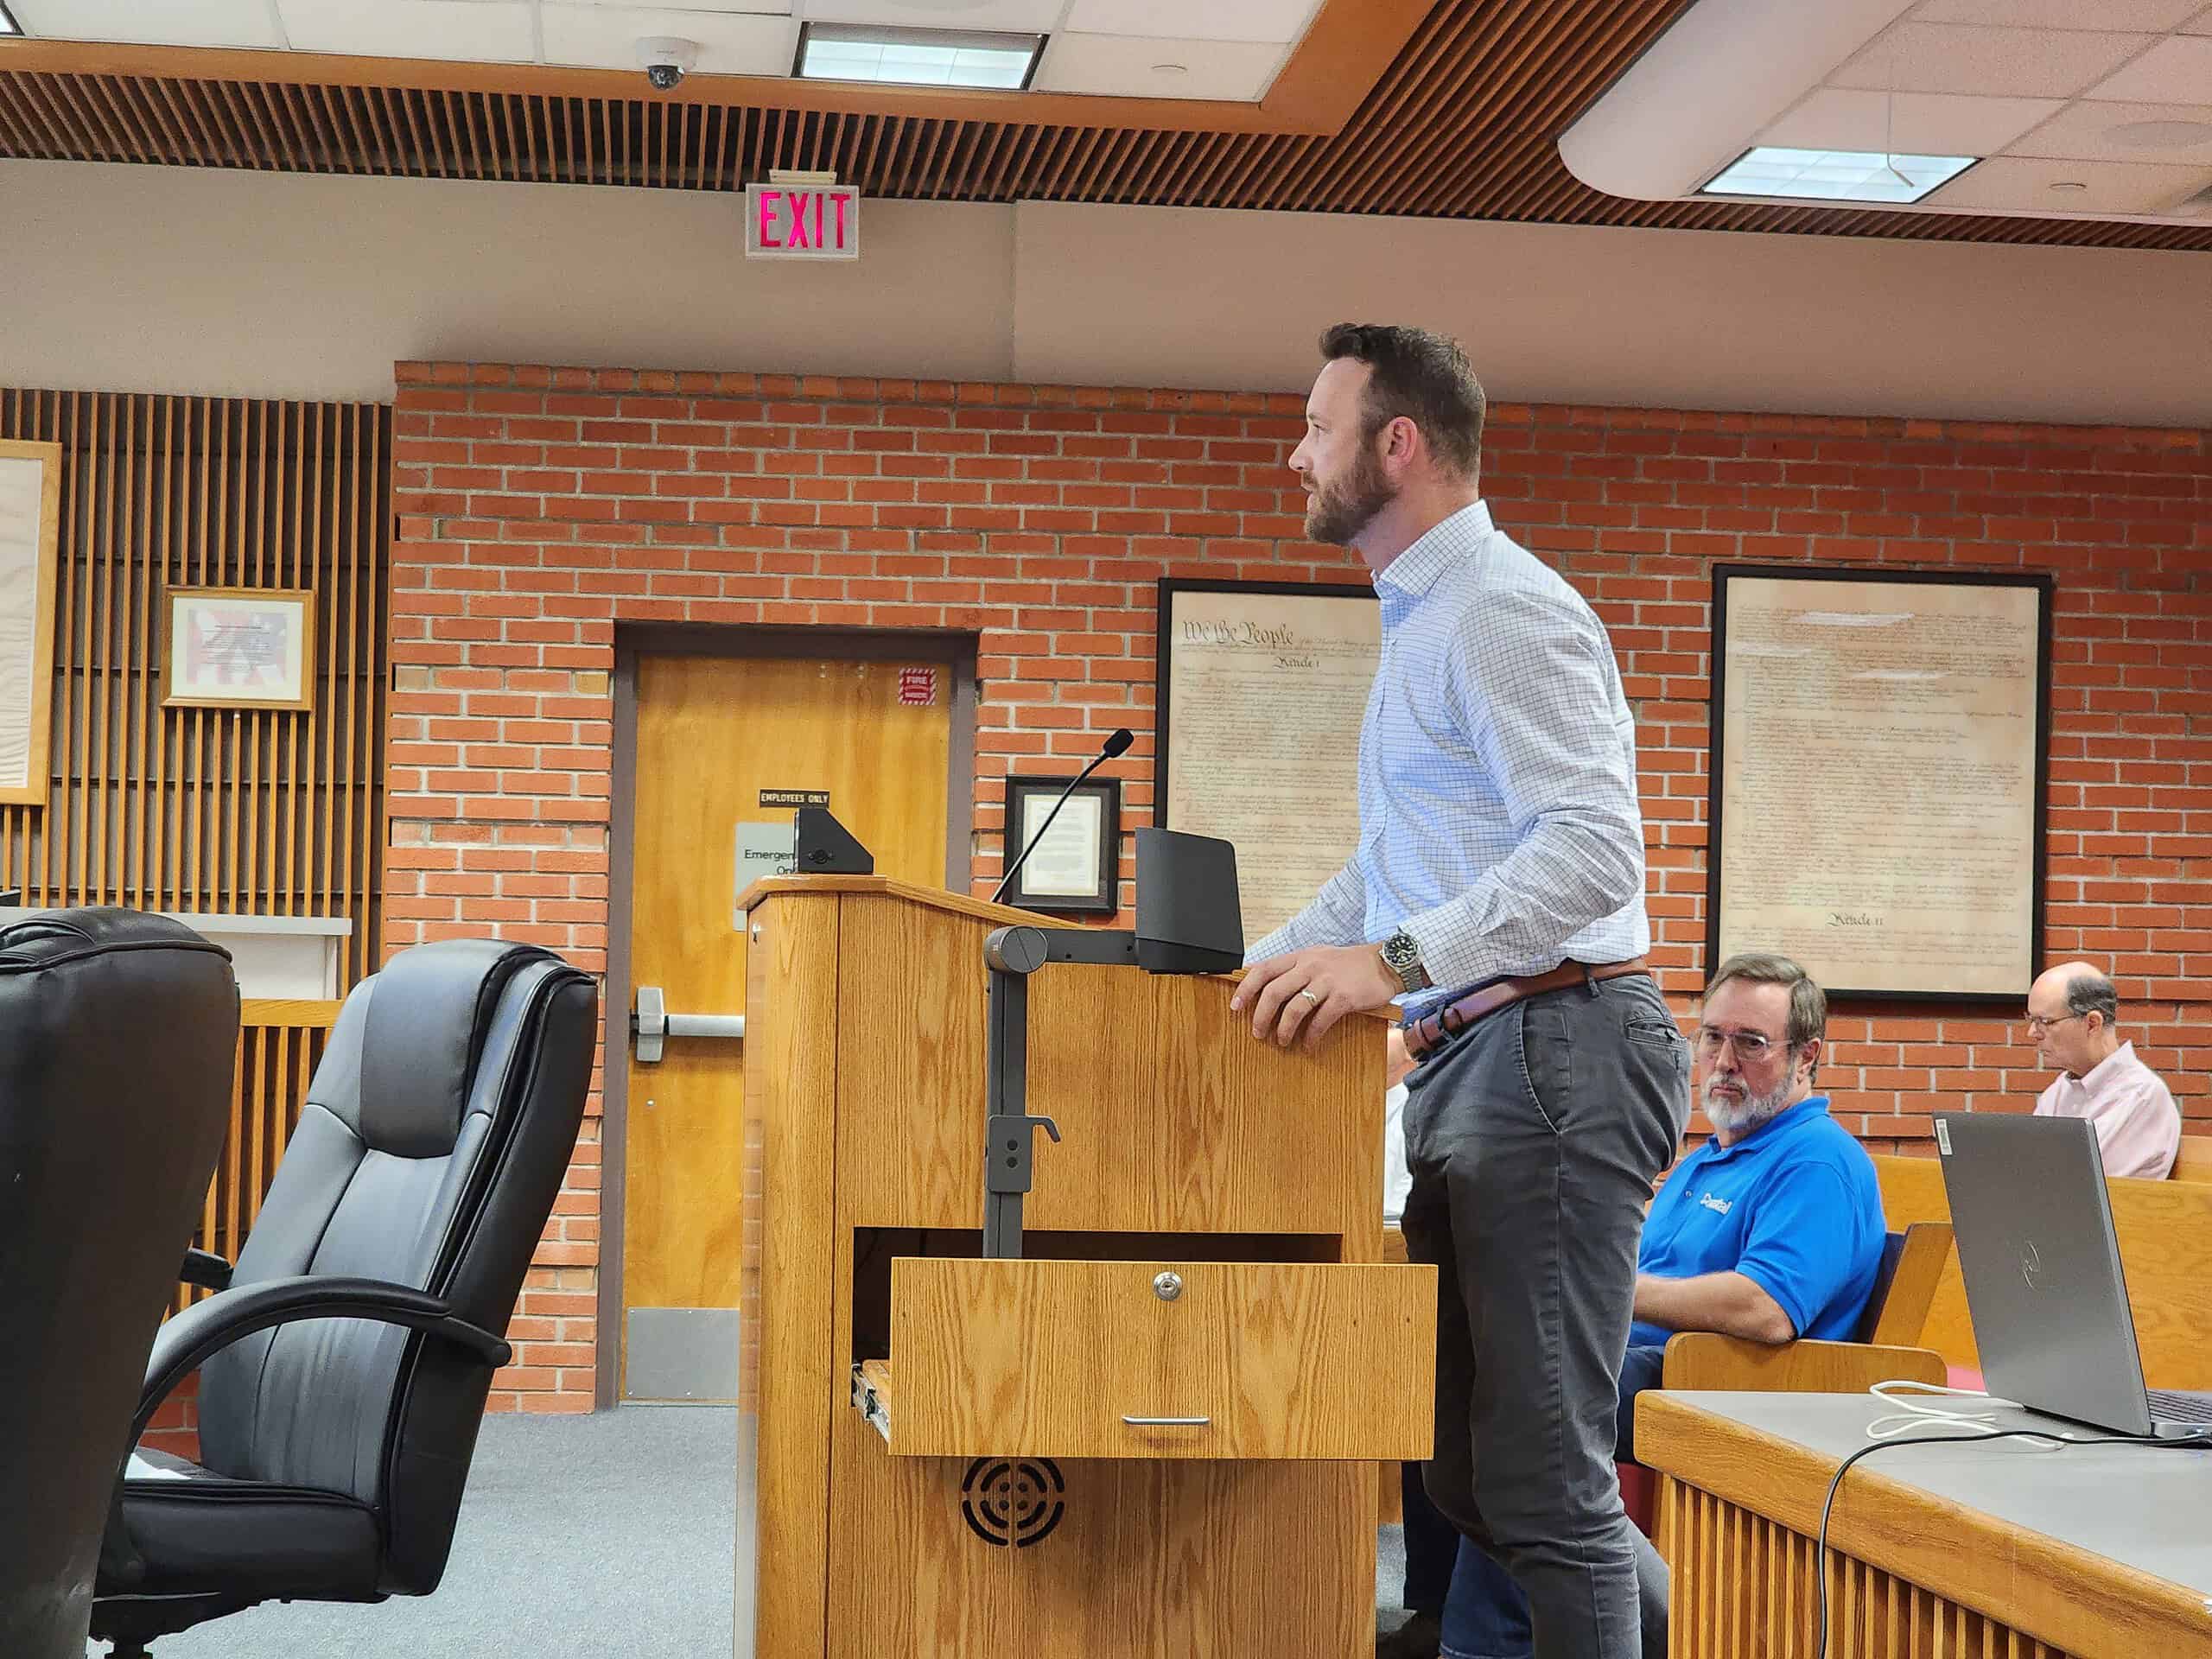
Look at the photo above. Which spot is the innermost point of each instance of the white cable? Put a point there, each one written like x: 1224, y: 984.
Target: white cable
x: 1908, y: 1417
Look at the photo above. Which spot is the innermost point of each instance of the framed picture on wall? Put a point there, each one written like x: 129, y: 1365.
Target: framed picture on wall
x: 1262, y: 687
x: 1075, y: 869
x: 1879, y: 761
x: 30, y: 521
x: 239, y: 648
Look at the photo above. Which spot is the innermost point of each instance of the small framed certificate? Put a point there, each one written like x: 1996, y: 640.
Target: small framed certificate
x: 239, y: 648
x: 1075, y: 869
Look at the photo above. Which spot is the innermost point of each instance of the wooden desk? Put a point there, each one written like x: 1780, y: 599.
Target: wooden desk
x: 1980, y: 1550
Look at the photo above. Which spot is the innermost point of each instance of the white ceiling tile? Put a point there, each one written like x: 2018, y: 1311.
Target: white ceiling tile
x: 205, y: 22
x: 2023, y: 184
x: 1128, y: 67
x: 730, y: 43
x: 1279, y: 21
x: 2201, y: 24
x: 2178, y: 70
x: 1025, y: 16
x: 2093, y: 130
x: 767, y: 8
x: 493, y: 31
x: 2153, y: 17
x: 1919, y: 123
x: 1914, y: 57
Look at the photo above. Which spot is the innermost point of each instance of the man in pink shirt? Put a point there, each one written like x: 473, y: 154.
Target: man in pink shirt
x: 2072, y: 1010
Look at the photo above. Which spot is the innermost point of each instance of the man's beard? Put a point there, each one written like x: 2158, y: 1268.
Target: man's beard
x: 1339, y: 511
x: 1741, y: 1117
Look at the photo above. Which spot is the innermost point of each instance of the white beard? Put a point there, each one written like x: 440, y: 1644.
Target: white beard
x: 1740, y: 1116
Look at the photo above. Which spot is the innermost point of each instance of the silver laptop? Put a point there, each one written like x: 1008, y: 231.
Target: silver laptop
x: 2043, y: 1275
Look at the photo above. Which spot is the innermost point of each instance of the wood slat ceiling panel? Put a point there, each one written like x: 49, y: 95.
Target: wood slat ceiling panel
x: 1463, y: 125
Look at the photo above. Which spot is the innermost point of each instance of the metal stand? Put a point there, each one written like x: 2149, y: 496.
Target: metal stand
x: 1014, y: 954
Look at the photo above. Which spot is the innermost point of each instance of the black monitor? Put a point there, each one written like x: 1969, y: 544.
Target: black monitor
x: 1188, y: 917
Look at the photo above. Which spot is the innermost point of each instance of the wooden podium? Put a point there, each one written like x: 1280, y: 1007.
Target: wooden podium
x: 1150, y: 1435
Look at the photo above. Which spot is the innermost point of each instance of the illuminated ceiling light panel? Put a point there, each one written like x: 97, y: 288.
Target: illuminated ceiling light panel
x: 1834, y: 175
x: 918, y: 57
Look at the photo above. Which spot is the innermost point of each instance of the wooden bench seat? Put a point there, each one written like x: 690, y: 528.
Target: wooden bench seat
x: 2164, y: 1230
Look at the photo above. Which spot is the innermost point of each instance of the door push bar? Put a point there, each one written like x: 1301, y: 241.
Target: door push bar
x: 651, y: 1023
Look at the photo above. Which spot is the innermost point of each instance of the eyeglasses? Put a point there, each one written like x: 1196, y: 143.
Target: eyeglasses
x: 2038, y: 1023
x: 1751, y: 1046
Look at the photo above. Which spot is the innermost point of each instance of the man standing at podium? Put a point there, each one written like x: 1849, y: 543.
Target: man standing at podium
x: 1498, y: 893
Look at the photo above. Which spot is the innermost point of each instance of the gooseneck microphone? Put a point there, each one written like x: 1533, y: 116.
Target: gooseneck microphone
x: 1117, y: 744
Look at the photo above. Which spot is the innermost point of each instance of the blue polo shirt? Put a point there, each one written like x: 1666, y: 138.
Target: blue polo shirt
x: 1794, y: 1206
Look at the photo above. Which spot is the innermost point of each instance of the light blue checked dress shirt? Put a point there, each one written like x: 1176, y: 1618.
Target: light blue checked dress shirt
x: 1498, y: 818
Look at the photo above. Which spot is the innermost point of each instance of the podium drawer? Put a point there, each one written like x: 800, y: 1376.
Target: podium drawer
x: 1161, y: 1359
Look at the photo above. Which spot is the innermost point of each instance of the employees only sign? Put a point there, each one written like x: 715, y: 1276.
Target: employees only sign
x: 802, y: 221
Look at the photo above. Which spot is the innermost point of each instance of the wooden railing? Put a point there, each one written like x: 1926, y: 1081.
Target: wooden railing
x: 279, y: 1045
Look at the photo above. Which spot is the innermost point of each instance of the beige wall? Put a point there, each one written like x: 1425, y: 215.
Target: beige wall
x: 1650, y: 319
x: 172, y: 279
x: 294, y: 285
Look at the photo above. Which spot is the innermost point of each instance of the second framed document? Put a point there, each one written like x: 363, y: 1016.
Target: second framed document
x: 1074, y: 864
x: 1262, y: 687
x: 1879, y: 744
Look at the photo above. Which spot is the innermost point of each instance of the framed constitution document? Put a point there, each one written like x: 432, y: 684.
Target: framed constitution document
x: 1262, y: 686
x: 30, y: 526
x: 1880, y: 760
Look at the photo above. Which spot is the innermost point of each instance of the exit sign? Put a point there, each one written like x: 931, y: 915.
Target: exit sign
x: 802, y: 221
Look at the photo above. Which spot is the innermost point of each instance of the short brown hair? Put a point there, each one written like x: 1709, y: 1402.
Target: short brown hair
x: 1422, y: 376
x: 1808, y: 1003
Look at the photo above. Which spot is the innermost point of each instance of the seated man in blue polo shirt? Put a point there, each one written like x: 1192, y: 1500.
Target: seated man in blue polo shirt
x: 1771, y: 1229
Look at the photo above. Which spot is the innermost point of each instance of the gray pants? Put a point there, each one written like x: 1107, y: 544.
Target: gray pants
x: 1534, y: 1136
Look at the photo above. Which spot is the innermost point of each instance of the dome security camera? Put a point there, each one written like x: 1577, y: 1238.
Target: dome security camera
x: 666, y: 59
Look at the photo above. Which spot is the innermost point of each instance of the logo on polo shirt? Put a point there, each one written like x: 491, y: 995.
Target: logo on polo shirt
x: 1719, y: 1206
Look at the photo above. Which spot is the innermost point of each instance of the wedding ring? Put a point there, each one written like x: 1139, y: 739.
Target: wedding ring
x: 1310, y: 997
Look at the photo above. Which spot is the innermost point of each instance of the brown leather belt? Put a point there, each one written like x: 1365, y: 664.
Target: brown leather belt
x: 1426, y: 1034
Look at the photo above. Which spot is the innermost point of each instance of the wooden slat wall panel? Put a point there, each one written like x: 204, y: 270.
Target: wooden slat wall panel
x: 203, y: 809
x: 1463, y: 125
x: 276, y: 1063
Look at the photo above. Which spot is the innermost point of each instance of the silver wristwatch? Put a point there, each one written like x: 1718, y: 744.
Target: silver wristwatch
x: 1401, y: 956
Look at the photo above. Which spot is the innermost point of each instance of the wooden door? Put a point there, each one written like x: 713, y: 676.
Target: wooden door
x: 714, y: 735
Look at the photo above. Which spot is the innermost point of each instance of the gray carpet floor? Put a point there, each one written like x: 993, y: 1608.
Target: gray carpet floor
x: 600, y: 1537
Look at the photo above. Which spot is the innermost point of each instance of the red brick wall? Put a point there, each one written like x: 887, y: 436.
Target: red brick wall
x: 539, y: 507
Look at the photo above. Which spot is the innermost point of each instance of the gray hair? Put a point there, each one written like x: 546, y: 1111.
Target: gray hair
x: 1809, y: 1004
x: 2092, y: 993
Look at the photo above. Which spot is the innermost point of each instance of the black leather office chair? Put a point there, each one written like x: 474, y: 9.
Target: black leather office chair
x: 343, y: 1367
x: 118, y: 1032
